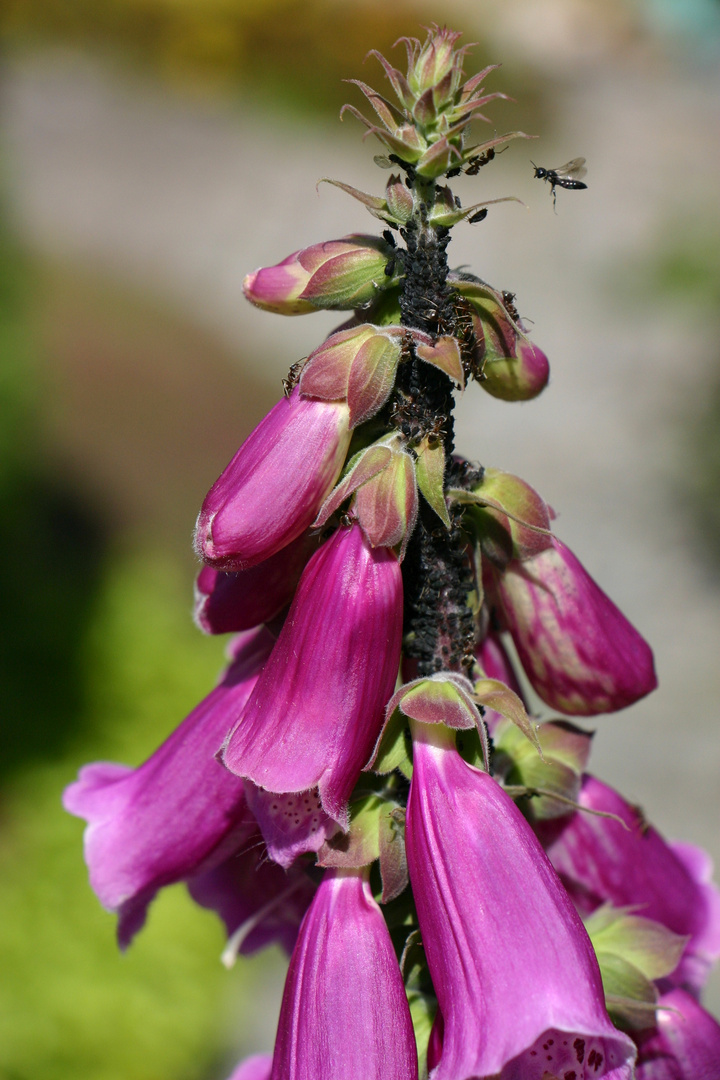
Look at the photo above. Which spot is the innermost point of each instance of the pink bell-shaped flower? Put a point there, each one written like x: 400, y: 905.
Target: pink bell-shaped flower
x: 517, y: 981
x: 274, y: 486
x: 178, y: 814
x: 578, y: 650
x: 256, y: 899
x: 226, y: 603
x: 344, y: 1012
x: 317, y: 709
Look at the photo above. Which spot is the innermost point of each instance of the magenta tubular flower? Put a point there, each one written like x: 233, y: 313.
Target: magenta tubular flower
x: 178, y: 814
x: 229, y: 602
x: 344, y: 1012
x: 316, y: 711
x: 599, y: 861
x: 274, y: 486
x: 258, y: 902
x: 256, y: 1067
x: 684, y: 1045
x: 515, y: 974
x: 578, y: 650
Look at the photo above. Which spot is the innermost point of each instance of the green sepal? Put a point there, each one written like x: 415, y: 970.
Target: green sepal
x: 565, y: 754
x: 492, y: 538
x: 430, y: 471
x: 372, y: 376
x: 648, y: 945
x: 470, y: 748
x: 360, y: 846
x: 374, y: 203
x: 393, y: 859
x: 517, y: 509
x: 423, y: 1008
x: 363, y: 467
x: 444, y: 354
x: 630, y: 998
x: 493, y: 694
x: 443, y: 214
x: 384, y: 309
x: 632, y: 951
x: 437, y: 700
x: 394, y: 748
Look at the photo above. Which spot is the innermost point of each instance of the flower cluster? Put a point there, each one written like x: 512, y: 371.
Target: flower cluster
x: 365, y: 784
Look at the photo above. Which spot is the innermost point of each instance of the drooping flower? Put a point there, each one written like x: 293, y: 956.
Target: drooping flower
x: 601, y: 861
x: 178, y: 814
x: 683, y: 1045
x: 339, y: 274
x: 517, y: 981
x: 256, y: 899
x: 316, y: 711
x: 274, y: 486
x: 344, y: 1012
x: 227, y: 602
x: 578, y: 650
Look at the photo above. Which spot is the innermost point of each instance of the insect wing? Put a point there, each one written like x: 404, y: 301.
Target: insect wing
x: 572, y: 170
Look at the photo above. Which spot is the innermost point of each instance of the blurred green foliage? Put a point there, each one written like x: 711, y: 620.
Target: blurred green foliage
x: 70, y: 1004
x: 297, y: 50
x: 47, y: 584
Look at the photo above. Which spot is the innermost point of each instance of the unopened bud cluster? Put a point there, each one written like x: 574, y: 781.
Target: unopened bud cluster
x: 365, y: 784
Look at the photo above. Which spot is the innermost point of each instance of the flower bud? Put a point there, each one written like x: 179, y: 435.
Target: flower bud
x: 272, y: 489
x: 431, y: 63
x: 517, y: 378
x: 514, y: 369
x: 399, y: 200
x: 578, y: 650
x: 342, y: 274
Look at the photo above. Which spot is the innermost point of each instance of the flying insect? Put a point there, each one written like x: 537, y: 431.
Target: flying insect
x: 566, y: 176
